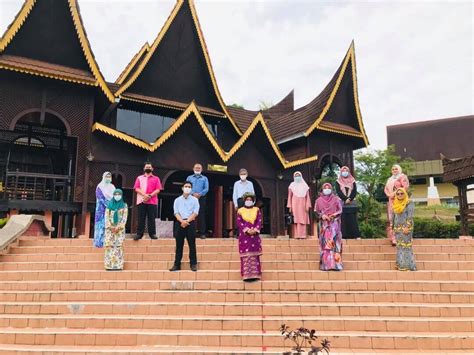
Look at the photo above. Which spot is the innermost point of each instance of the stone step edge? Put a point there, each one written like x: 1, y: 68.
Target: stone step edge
x: 243, y: 303
x: 234, y: 318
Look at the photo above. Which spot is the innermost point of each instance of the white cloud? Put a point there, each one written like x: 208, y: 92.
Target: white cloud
x: 414, y: 58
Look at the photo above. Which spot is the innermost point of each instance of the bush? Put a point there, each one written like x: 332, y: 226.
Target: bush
x: 432, y: 228
x: 3, y: 221
x: 370, y: 223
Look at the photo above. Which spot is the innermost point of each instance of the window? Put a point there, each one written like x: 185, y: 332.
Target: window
x: 418, y: 181
x: 145, y: 126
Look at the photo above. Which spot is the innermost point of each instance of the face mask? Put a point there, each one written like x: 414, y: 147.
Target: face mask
x: 345, y: 174
x: 298, y: 179
x: 107, y: 180
x: 187, y: 190
x: 197, y: 172
x: 243, y: 177
x: 117, y: 197
x: 148, y: 171
x: 327, y: 192
x: 249, y: 203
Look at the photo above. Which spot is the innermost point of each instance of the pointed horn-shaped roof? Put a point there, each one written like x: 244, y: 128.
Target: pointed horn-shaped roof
x: 135, y: 78
x: 314, y: 115
x: 32, y: 65
x: 132, y: 65
x: 193, y: 111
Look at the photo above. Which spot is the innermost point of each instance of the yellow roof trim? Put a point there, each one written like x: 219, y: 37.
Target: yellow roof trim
x: 155, y: 45
x: 323, y: 127
x: 87, y: 50
x: 16, y: 24
x: 132, y: 63
x: 350, y: 56
x: 225, y: 156
x: 45, y: 75
x: 20, y: 20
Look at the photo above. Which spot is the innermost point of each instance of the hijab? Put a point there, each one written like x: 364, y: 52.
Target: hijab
x: 346, y: 182
x: 299, y: 189
x: 400, y: 205
x: 327, y: 204
x: 116, y: 205
x: 400, y: 172
x: 249, y: 214
x: 107, y: 188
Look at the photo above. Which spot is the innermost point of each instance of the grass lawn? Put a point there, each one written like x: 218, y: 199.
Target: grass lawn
x: 443, y: 213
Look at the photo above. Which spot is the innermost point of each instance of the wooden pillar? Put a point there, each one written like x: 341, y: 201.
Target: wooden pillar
x: 48, y: 218
x: 463, y: 207
x: 218, y: 211
x: 13, y: 212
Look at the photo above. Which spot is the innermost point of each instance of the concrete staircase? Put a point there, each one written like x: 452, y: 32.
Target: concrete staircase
x: 56, y: 298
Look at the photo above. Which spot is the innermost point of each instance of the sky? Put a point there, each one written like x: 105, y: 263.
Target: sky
x: 414, y: 58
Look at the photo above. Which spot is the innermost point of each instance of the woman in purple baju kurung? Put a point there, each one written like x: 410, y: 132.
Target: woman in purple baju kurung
x: 329, y: 208
x: 249, y: 223
x: 104, y: 193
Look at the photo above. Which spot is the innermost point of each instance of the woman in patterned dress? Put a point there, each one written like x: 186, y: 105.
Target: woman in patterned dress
x: 403, y: 210
x: 249, y: 223
x: 103, y: 193
x: 397, y: 180
x: 115, y: 220
x: 329, y: 208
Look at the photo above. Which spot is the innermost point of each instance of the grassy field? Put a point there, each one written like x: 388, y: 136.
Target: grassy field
x: 443, y: 213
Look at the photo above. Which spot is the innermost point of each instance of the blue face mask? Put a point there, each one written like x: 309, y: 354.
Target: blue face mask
x: 117, y: 197
x: 298, y: 179
x: 345, y: 174
x: 327, y: 192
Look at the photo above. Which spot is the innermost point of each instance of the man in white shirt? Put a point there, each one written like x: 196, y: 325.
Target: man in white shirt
x: 241, y: 187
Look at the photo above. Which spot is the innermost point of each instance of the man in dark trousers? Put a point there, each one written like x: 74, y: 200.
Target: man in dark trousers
x: 147, y: 187
x: 186, y: 209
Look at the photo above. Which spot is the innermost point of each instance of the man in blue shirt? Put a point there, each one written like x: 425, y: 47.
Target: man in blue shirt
x: 241, y: 187
x: 186, y: 209
x: 200, y: 190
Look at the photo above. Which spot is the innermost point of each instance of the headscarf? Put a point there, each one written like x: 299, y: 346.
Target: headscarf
x: 249, y: 214
x: 390, y: 185
x: 400, y: 205
x: 400, y: 171
x: 346, y: 182
x: 327, y: 204
x: 116, y: 205
x: 106, y: 188
x: 299, y: 189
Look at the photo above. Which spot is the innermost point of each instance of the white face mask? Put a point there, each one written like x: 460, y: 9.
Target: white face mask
x: 327, y: 192
x: 117, y: 197
x: 197, y: 172
x: 243, y: 177
x: 187, y: 190
x: 249, y: 203
x: 345, y: 174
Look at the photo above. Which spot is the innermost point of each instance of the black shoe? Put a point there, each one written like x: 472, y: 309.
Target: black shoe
x: 202, y: 236
x: 194, y: 268
x: 137, y: 237
x: 153, y: 237
x: 175, y: 268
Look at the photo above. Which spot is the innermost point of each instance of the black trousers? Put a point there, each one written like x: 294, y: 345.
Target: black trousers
x: 146, y: 213
x: 188, y: 233
x: 202, y: 227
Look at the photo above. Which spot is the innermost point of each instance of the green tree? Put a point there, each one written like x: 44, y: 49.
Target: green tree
x: 236, y: 105
x: 373, y: 168
x: 265, y: 105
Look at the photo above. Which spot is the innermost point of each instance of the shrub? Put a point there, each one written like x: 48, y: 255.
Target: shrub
x: 370, y: 223
x: 432, y: 228
x: 3, y: 221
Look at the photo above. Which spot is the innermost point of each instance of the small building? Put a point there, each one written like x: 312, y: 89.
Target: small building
x: 62, y: 124
x: 425, y: 142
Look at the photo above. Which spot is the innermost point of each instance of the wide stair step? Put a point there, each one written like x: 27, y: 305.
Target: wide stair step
x: 56, y: 298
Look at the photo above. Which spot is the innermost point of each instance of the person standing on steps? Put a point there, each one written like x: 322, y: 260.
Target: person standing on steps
x: 402, y: 226
x: 103, y: 193
x: 115, y: 221
x: 147, y: 187
x: 346, y: 189
x: 200, y: 190
x: 299, y: 203
x: 241, y: 187
x: 186, y: 210
x: 394, y: 182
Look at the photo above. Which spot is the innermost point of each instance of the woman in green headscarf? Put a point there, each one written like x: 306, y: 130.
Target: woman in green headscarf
x: 115, y: 220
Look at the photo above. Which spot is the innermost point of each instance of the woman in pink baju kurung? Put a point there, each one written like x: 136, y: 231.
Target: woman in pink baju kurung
x: 394, y: 182
x: 299, y: 203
